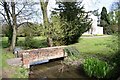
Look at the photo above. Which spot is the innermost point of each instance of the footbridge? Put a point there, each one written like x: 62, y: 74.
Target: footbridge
x: 33, y: 56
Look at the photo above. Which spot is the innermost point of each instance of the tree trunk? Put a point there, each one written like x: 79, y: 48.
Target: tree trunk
x: 6, y: 8
x: 49, y: 41
x: 46, y: 22
x: 12, y: 46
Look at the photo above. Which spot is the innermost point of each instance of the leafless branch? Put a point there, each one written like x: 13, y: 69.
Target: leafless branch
x: 20, y: 10
x: 46, y: 3
x: 4, y: 16
x: 1, y: 3
x: 9, y: 11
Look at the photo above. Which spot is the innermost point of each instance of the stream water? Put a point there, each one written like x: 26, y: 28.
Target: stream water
x: 56, y: 69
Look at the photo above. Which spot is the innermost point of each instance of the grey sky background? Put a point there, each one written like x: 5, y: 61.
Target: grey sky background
x: 89, y: 5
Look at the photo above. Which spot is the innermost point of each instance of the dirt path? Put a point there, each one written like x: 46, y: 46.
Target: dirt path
x: 96, y: 36
x: 6, y: 73
x: 14, y: 61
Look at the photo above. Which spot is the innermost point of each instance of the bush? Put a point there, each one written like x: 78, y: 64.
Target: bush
x: 115, y: 41
x: 72, y: 52
x: 58, y: 41
x: 28, y: 42
x: 21, y: 73
x: 96, y: 68
x: 115, y: 57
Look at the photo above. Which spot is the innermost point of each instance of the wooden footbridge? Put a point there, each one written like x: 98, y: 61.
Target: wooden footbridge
x: 33, y: 56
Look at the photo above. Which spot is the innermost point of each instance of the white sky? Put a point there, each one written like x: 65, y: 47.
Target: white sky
x: 97, y: 4
x: 88, y: 4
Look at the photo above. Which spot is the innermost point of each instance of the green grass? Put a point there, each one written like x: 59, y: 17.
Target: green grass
x: 5, y: 56
x: 94, y: 46
x: 4, y: 42
x: 97, y: 46
x: 37, y: 42
x: 12, y: 71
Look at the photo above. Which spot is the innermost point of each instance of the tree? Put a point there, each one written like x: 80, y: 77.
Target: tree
x: 14, y: 18
x: 115, y: 5
x: 56, y: 30
x: 12, y: 14
x: 74, y: 20
x: 12, y: 22
x: 8, y: 20
x: 104, y: 21
x: 47, y: 33
x: 96, y: 13
x: 114, y: 15
x: 29, y: 29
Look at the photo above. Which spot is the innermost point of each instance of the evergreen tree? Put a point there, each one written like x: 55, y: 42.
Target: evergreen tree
x: 75, y: 20
x: 104, y: 21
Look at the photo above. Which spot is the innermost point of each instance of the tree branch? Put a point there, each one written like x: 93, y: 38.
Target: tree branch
x: 42, y: 4
x: 20, y: 10
x: 46, y: 3
x: 1, y: 3
x: 4, y: 16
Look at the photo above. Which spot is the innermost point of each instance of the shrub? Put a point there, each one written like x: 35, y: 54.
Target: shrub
x: 28, y: 41
x: 96, y: 68
x: 115, y: 41
x: 116, y: 59
x: 21, y: 73
x: 72, y: 52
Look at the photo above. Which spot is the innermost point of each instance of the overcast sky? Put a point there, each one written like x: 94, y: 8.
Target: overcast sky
x: 97, y: 4
x: 89, y: 5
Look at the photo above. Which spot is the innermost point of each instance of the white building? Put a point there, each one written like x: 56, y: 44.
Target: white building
x: 94, y: 30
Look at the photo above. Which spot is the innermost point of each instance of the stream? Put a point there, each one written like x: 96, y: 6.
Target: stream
x: 56, y: 69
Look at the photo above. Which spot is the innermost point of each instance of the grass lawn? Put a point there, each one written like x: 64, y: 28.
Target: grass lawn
x: 94, y: 46
x: 36, y: 42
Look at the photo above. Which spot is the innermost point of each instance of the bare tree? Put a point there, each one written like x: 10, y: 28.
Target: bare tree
x: 12, y: 15
x: 8, y: 19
